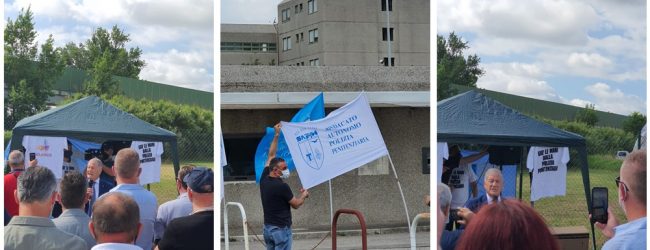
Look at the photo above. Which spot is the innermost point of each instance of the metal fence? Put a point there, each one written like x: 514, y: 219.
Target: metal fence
x: 195, y: 147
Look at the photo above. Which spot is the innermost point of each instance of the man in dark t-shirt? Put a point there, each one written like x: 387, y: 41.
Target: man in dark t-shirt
x: 277, y: 199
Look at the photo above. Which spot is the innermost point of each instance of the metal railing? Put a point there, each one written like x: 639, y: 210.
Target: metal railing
x: 362, y: 221
x: 225, y: 223
x: 414, y: 226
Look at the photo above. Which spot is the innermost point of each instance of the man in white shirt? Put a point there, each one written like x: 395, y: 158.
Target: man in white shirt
x: 461, y: 179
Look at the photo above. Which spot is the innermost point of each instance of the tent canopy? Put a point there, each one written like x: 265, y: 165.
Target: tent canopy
x: 473, y: 117
x: 92, y: 118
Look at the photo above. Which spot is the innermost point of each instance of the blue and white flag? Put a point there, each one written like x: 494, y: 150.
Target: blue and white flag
x: 344, y: 140
x: 314, y: 110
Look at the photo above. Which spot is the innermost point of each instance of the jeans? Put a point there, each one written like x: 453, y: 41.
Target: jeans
x: 277, y: 238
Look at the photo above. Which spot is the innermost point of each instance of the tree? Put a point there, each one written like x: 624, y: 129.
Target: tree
x: 587, y: 115
x: 104, y: 55
x: 634, y: 123
x: 29, y: 75
x: 453, y: 67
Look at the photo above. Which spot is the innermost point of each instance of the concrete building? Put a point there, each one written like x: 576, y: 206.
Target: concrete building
x: 256, y: 97
x: 341, y: 32
x: 249, y: 44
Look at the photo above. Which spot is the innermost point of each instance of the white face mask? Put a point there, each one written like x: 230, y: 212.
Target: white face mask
x: 285, y: 174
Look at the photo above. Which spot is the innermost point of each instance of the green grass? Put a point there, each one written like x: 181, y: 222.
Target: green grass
x: 571, y: 210
x: 165, y: 190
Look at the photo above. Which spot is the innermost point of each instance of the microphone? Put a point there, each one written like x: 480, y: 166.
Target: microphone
x: 91, y: 183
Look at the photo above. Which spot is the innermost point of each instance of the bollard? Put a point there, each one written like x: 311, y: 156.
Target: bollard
x: 362, y: 221
x: 225, y: 223
x: 414, y: 227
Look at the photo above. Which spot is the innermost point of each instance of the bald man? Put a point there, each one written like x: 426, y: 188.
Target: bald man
x: 631, y: 187
x: 16, y: 162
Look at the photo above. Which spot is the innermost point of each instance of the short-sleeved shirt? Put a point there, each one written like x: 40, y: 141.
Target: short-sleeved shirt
x: 148, y: 205
x: 11, y: 183
x: 194, y: 232
x: 275, y: 200
x: 459, y: 183
x: 631, y: 235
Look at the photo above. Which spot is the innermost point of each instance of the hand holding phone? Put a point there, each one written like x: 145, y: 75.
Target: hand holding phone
x: 599, y: 205
x: 32, y: 156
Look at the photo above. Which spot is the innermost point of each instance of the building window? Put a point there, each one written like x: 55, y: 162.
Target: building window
x: 385, y: 61
x: 286, y: 43
x: 240, y: 152
x: 286, y: 15
x: 300, y: 7
x: 314, y: 62
x: 246, y: 46
x: 302, y: 63
x: 296, y: 8
x: 383, y: 5
x: 301, y: 36
x: 313, y: 36
x: 312, y: 6
x: 297, y: 38
x: 384, y: 35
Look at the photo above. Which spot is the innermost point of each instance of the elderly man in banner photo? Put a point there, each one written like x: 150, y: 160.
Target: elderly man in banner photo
x: 278, y: 199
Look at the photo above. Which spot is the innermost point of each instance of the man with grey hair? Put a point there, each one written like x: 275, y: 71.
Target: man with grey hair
x: 116, y: 222
x: 73, y: 197
x: 33, y: 229
x: 98, y: 184
x: 493, y: 184
x: 449, y: 238
x: 127, y: 174
x: 16, y: 162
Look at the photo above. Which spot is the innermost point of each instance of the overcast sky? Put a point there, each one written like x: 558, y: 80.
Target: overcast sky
x: 249, y: 11
x: 176, y: 37
x: 574, y: 52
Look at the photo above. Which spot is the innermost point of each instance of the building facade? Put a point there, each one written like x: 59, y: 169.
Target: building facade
x: 348, y: 33
x: 249, y: 44
x: 253, y: 98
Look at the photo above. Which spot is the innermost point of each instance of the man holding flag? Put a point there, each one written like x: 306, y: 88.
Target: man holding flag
x: 278, y: 199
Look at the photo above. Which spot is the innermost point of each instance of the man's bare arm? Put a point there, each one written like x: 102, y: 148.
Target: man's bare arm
x: 274, y: 144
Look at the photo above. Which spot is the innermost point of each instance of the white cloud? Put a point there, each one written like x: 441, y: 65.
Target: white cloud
x: 614, y: 100
x: 579, y: 102
x: 588, y: 60
x: 186, y: 69
x: 518, y: 79
x: 249, y: 11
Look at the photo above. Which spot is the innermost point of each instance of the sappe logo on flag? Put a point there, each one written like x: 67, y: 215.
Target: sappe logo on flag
x: 311, y: 148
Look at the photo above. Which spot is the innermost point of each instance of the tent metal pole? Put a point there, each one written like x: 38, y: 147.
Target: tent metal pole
x: 408, y: 220
x: 521, y: 172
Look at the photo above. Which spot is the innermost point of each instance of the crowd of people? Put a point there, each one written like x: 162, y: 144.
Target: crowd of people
x: 105, y: 207
x: 493, y: 222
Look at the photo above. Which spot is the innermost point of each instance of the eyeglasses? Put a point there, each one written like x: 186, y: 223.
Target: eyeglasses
x: 618, y: 180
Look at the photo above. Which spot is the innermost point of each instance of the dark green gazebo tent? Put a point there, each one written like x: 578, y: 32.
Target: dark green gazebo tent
x: 474, y: 118
x: 93, y: 119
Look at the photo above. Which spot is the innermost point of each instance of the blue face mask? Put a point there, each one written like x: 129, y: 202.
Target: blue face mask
x: 285, y: 174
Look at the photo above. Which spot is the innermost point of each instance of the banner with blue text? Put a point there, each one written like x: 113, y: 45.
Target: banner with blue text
x: 344, y: 140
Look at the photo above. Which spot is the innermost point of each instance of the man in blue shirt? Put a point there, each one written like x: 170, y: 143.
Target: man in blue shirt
x: 127, y: 174
x: 632, y: 198
x: 181, y: 206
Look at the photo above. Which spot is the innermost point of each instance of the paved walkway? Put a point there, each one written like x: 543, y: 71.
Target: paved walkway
x: 352, y: 241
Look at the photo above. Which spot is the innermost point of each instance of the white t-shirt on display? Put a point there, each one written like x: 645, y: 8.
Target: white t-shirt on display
x: 48, y: 152
x: 548, y: 165
x: 459, y: 183
x: 443, y: 153
x: 150, y: 161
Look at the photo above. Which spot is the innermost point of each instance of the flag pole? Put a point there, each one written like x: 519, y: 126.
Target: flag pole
x: 408, y: 220
x: 331, y: 206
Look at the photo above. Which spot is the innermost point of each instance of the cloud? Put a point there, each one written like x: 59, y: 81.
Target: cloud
x: 589, y: 60
x: 579, y: 102
x: 614, y: 100
x: 186, y: 69
x: 249, y: 11
x: 517, y: 79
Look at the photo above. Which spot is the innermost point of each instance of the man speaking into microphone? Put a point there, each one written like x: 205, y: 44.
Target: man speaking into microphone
x: 96, y: 184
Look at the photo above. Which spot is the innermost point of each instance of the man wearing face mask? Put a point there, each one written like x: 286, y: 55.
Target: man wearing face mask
x: 278, y: 199
x: 631, y: 186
